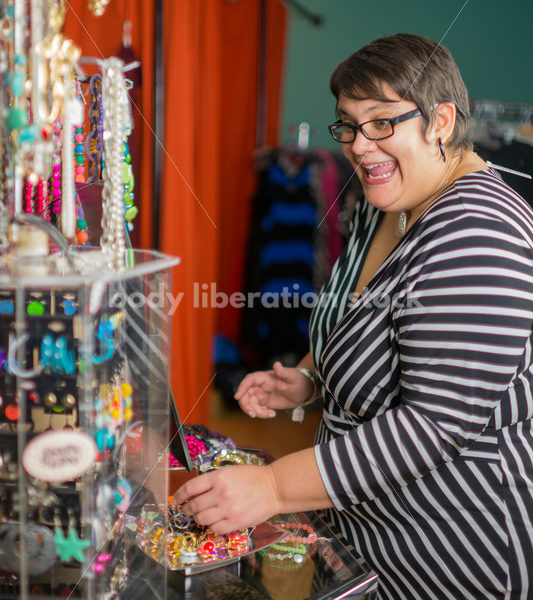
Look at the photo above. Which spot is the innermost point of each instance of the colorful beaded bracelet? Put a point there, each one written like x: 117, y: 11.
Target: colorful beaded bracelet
x: 310, y: 539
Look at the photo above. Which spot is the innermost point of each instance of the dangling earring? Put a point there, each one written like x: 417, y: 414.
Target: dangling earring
x: 441, y: 148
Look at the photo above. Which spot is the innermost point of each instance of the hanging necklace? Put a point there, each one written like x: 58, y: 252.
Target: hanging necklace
x: 401, y: 225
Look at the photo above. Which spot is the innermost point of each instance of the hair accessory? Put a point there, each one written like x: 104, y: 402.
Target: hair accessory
x: 441, y: 148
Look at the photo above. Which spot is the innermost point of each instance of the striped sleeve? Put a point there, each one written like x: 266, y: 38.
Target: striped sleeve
x: 461, y: 337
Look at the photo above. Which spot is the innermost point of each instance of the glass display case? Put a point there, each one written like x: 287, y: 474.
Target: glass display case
x: 84, y: 416
x: 290, y: 557
x: 328, y: 571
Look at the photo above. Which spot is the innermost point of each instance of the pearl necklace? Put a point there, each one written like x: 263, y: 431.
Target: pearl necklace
x: 117, y: 126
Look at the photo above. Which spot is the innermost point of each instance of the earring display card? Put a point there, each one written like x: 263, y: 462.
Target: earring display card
x: 83, y: 366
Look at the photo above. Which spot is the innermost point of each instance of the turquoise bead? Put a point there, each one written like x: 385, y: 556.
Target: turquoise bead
x: 17, y: 84
x: 28, y: 134
x: 99, y: 439
x: 79, y: 148
x: 81, y: 223
x: 18, y: 118
x: 20, y: 59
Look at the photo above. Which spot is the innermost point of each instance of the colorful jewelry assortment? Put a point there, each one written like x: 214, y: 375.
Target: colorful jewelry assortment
x: 112, y: 408
x: 234, y: 457
x: 195, y: 446
x: 291, y: 552
x: 203, y: 444
x: 45, y: 336
x: 177, y: 541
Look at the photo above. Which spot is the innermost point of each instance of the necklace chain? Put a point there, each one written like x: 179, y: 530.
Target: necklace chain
x: 401, y: 225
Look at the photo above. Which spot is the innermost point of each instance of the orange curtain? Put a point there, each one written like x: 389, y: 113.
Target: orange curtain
x: 240, y: 56
x: 210, y: 63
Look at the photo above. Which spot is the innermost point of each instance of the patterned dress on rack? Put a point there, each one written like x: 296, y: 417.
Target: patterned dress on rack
x: 426, y: 442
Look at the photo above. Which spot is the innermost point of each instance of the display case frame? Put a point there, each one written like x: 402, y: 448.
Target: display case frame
x: 98, y: 368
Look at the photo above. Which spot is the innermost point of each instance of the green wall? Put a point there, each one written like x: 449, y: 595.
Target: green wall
x: 491, y: 40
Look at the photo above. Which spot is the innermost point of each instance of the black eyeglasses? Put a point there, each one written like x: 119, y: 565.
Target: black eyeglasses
x: 377, y: 129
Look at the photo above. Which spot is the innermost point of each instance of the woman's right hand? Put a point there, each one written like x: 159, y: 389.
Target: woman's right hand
x: 261, y: 393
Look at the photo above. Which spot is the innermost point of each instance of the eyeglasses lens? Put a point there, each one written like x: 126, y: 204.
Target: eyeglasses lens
x: 374, y: 130
x: 378, y: 129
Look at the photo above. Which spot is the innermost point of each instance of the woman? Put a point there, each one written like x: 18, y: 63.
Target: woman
x: 422, y: 348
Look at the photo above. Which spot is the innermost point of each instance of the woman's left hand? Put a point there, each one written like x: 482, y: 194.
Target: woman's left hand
x: 230, y: 498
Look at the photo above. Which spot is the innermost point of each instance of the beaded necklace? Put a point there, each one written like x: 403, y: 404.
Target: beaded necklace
x: 117, y: 126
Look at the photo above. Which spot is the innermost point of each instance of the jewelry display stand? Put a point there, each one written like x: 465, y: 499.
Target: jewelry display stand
x: 83, y: 418
x: 85, y: 402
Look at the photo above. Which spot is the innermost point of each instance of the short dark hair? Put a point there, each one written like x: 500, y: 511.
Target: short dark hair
x: 417, y: 68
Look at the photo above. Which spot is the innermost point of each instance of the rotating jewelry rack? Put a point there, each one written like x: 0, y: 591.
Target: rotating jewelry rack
x: 84, y: 345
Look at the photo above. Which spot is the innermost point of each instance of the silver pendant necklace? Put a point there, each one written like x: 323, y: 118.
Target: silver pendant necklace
x: 401, y: 225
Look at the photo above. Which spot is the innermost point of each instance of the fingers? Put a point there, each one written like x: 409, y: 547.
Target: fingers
x: 258, y: 379
x: 284, y: 373
x: 255, y: 405
x: 192, y: 488
x: 230, y: 498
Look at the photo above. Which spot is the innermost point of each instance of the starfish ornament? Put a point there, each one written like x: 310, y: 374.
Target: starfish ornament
x: 71, y: 546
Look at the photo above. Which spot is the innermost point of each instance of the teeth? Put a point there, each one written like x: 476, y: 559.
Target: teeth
x: 378, y: 164
x: 378, y: 176
x: 369, y: 168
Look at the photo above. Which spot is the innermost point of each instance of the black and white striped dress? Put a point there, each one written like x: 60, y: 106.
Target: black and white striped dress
x: 426, y: 441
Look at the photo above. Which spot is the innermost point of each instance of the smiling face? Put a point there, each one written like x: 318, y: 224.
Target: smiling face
x: 401, y: 172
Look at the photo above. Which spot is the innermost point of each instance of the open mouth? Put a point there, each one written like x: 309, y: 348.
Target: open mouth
x: 379, y: 172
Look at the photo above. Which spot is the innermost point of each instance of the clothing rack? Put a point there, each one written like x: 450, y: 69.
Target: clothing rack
x: 509, y: 112
x: 492, y: 121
